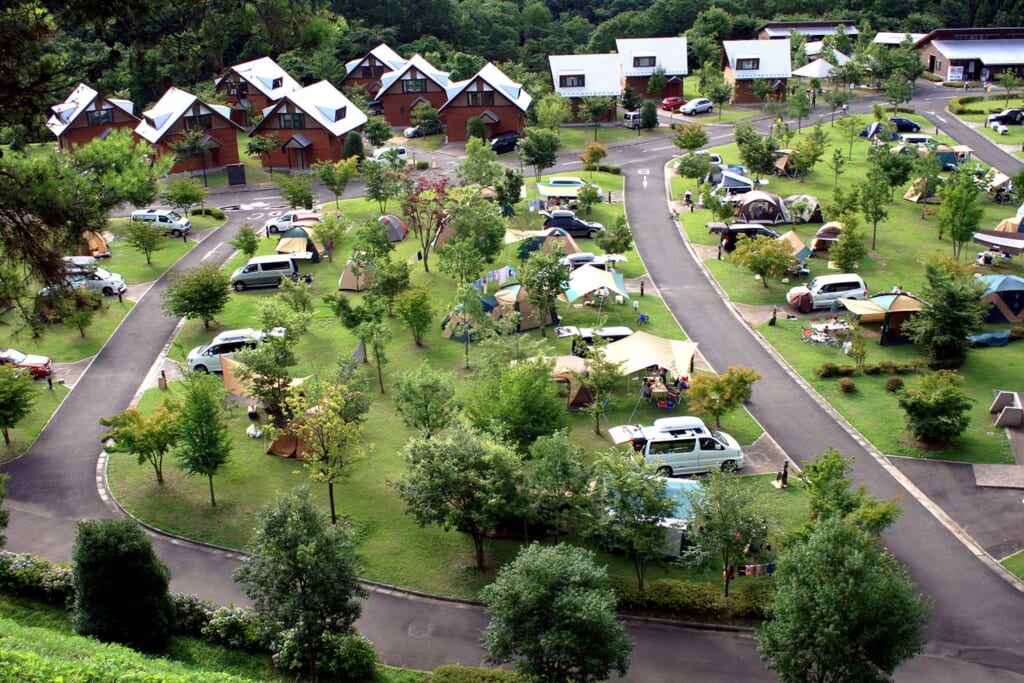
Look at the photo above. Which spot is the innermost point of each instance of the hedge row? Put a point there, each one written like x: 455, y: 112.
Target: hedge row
x: 211, y: 211
x: 694, y: 600
x: 888, y: 367
x: 473, y: 674
x: 959, y: 105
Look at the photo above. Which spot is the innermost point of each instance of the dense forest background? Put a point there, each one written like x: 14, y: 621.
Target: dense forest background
x: 138, y: 48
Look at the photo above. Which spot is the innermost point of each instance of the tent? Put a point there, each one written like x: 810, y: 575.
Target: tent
x: 916, y: 194
x: 1010, y: 225
x: 548, y: 240
x: 762, y: 207
x: 1008, y: 243
x: 513, y: 299
x: 94, y: 244
x: 804, y: 208
x: 287, y: 446
x: 826, y: 235
x: 642, y: 350
x: 587, y: 279
x: 396, y: 227
x: 450, y: 326
x: 800, y: 250
x: 232, y: 382
x: 299, y: 241
x: 1006, y: 294
x: 890, y: 309
x: 819, y: 68
x: 567, y: 370
x: 356, y: 277
x: 734, y: 183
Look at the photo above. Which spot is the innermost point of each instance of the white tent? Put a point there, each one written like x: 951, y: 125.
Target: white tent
x: 642, y: 350
x: 587, y: 279
x: 819, y: 68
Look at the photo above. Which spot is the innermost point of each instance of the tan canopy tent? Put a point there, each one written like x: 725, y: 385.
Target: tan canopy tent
x: 642, y: 350
x: 567, y: 370
x: 826, y: 235
x: 287, y: 446
x: 235, y: 385
x: 800, y: 250
x: 587, y: 279
x: 892, y: 310
x: 94, y: 244
x: 1010, y: 225
x: 916, y: 194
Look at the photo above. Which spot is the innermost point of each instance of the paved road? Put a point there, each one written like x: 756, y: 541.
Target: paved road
x: 977, y: 617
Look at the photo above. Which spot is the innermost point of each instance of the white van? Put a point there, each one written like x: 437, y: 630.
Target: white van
x: 207, y: 358
x: 631, y: 119
x: 823, y: 290
x: 264, y: 271
x: 681, y: 445
x: 98, y: 280
x: 915, y: 139
x: 172, y: 222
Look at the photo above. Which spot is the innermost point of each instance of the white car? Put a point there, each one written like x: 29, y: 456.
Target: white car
x: 98, y: 280
x: 289, y: 220
x: 392, y: 153
x: 697, y: 106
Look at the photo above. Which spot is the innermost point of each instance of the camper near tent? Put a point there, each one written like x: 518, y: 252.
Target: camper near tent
x: 762, y: 207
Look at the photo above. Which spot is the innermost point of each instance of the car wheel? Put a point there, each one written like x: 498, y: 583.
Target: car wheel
x: 592, y: 234
x: 176, y: 233
x: 107, y: 291
x: 664, y: 471
x: 279, y: 281
x: 729, y: 466
x: 239, y: 286
x: 200, y: 368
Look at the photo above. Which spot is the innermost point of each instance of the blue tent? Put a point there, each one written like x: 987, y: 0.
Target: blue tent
x: 1006, y: 295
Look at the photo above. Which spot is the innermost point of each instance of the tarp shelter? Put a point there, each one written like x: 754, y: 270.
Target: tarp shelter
x: 235, y: 385
x: 1010, y: 225
x: 587, y: 279
x: 819, y: 68
x: 356, y: 277
x: 734, y: 183
x: 567, y: 370
x: 800, y: 250
x: 451, y: 327
x: 949, y: 158
x: 762, y: 207
x: 1009, y: 243
x: 299, y: 241
x: 1006, y: 295
x: 891, y: 310
x: 917, y: 195
x: 642, y: 350
x: 94, y: 244
x: 548, y: 240
x: 826, y: 235
x: 804, y: 208
x: 396, y: 227
x: 513, y: 299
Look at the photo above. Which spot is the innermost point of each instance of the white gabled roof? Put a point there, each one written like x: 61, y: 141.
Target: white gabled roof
x: 261, y: 74
x: 809, y: 28
x: 669, y: 53
x: 65, y: 113
x: 321, y: 101
x: 420, y: 64
x: 496, y: 79
x: 600, y: 72
x: 991, y: 52
x: 895, y: 38
x: 171, y: 107
x: 382, y: 52
x: 774, y: 57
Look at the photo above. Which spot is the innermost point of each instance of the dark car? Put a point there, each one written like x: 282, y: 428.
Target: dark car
x: 1007, y: 117
x: 903, y: 125
x: 375, y: 107
x: 505, y: 142
x: 576, y: 227
x: 730, y: 233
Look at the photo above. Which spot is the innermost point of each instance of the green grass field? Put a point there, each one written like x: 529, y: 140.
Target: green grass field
x: 1015, y: 564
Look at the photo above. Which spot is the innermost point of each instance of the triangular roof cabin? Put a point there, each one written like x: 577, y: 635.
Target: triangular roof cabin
x: 86, y: 115
x: 489, y: 95
x: 415, y: 81
x: 253, y: 86
x: 178, y: 113
x: 368, y: 70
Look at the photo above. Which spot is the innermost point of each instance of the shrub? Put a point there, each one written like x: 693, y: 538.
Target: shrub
x: 422, y: 165
x: 237, y: 627
x: 847, y: 385
x: 957, y: 105
x: 830, y: 369
x: 747, y: 600
x: 607, y: 168
x: 190, y: 614
x: 1017, y: 333
x: 893, y: 384
x: 211, y: 211
x: 934, y: 78
x: 36, y: 578
x: 454, y: 673
x: 346, y: 656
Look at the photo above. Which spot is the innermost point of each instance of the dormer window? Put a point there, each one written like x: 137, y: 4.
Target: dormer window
x: 748, y: 64
x: 339, y: 113
x: 572, y: 81
x: 645, y: 62
x: 277, y: 82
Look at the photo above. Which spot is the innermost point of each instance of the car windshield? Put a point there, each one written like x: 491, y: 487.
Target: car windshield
x: 15, y: 356
x: 173, y: 216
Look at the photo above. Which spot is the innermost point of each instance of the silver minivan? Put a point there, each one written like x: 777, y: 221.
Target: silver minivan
x: 264, y: 271
x: 681, y: 445
x: 171, y: 222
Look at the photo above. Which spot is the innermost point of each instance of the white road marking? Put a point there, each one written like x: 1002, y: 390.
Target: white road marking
x: 645, y: 182
x: 643, y: 171
x: 658, y: 149
x: 210, y: 253
x: 718, y: 137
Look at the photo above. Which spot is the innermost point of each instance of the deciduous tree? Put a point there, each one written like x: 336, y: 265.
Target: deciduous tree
x: 763, y: 257
x: 519, y: 404
x: 691, y: 137
x: 873, y: 196
x: 558, y: 479
x: 336, y: 175
x: 191, y: 145
x: 960, y: 212
x: 297, y: 190
x: 199, y: 293
x: 413, y: 307
x: 427, y: 403
x: 261, y: 146
x: 545, y: 279
x: 480, y: 167
x: 202, y: 444
x: 539, y: 148
x: 552, y: 111
x: 183, y: 193
x: 833, y: 495
x: 148, y: 437
x: 145, y: 238
x: 427, y: 209
x: 246, y: 241
x: 953, y: 311
x: 849, y: 249
x: 715, y: 395
x: 17, y: 397
x: 617, y: 239
x: 937, y: 410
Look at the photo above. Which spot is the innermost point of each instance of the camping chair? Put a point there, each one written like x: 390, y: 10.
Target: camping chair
x: 666, y: 405
x: 643, y: 319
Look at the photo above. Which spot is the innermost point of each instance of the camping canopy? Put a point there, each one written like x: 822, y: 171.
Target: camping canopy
x: 235, y: 385
x: 800, y: 250
x: 916, y: 194
x: 515, y: 299
x: 819, y: 68
x: 762, y: 207
x: 892, y: 310
x: 1007, y: 242
x: 804, y: 208
x: 587, y: 279
x: 568, y: 369
x: 642, y: 350
x: 1006, y: 294
x: 546, y: 240
x: 356, y: 277
x: 1010, y: 225
x: 397, y: 229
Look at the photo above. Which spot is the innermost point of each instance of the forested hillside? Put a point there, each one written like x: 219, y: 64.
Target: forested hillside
x: 138, y: 48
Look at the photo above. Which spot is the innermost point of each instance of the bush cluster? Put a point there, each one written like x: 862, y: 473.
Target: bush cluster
x: 422, y: 165
x: 615, y: 170
x: 455, y: 673
x: 36, y: 578
x: 934, y: 78
x: 1017, y: 333
x: 694, y: 600
x: 957, y: 105
x: 345, y: 656
x: 830, y: 369
x: 847, y: 385
x: 211, y: 211
x: 893, y: 384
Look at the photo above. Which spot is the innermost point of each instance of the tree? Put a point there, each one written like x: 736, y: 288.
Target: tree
x: 836, y: 98
x: 873, y: 196
x: 120, y: 586
x: 617, y: 239
x: 849, y: 249
x: 649, y: 116
x: 758, y: 155
x: 762, y: 89
x: 928, y: 169
x: 81, y: 315
x: 630, y: 99
x: 389, y: 280
x: 4, y: 514
x: 336, y: 175
x: 302, y: 575
x: 798, y: 48
x: 377, y: 131
x: 558, y: 479
x: 763, y: 257
x: 552, y: 111
x: 809, y: 150
x: 427, y: 209
x: 202, y: 443
x: 539, y: 148
x: 424, y: 114
x: 553, y: 614
x: 545, y: 279
x: 508, y: 190
x: 375, y: 335
x: 333, y: 442
x: 1008, y: 80
x: 262, y: 146
x: 183, y: 193
x: 149, y: 437
x: 384, y: 182
x: 696, y: 166
x: 476, y: 129
x: 331, y: 231
x: 297, y: 190
x: 657, y: 81
x: 463, y: 480
x: 189, y: 145
x: 897, y: 91
x: 798, y: 105
x: 691, y: 137
x: 832, y: 494
x: 469, y: 319
x: 844, y: 610
x: 413, y: 308
x: 600, y: 379
x: 519, y: 404
x: 635, y: 503
x: 461, y: 260
x: 17, y: 398
x: 959, y: 213
x: 849, y: 129
x: 480, y: 167
x: 716, y: 395
x: 199, y: 293
x: 895, y: 168
x: 246, y: 241
x: 726, y: 524
x: 427, y: 403
x: 937, y: 410
x: 593, y: 152
x: 353, y: 146
x: 953, y: 311
x: 719, y: 91
x: 838, y: 164
x: 595, y: 109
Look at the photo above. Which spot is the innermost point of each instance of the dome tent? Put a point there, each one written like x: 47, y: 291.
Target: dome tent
x: 1006, y: 295
x: 762, y: 207
x: 804, y: 208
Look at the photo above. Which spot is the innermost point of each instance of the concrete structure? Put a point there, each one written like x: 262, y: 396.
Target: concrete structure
x: 746, y: 61
x: 86, y: 115
x: 311, y: 125
x: 253, y: 86
x: 414, y: 82
x: 578, y: 77
x: 489, y: 95
x: 960, y: 54
x: 814, y: 30
x: 640, y: 58
x: 178, y: 113
x: 368, y: 70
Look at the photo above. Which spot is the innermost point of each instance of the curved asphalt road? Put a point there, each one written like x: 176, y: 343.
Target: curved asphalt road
x: 975, y: 632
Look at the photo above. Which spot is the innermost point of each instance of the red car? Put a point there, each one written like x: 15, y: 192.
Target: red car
x: 672, y: 103
x: 40, y: 366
